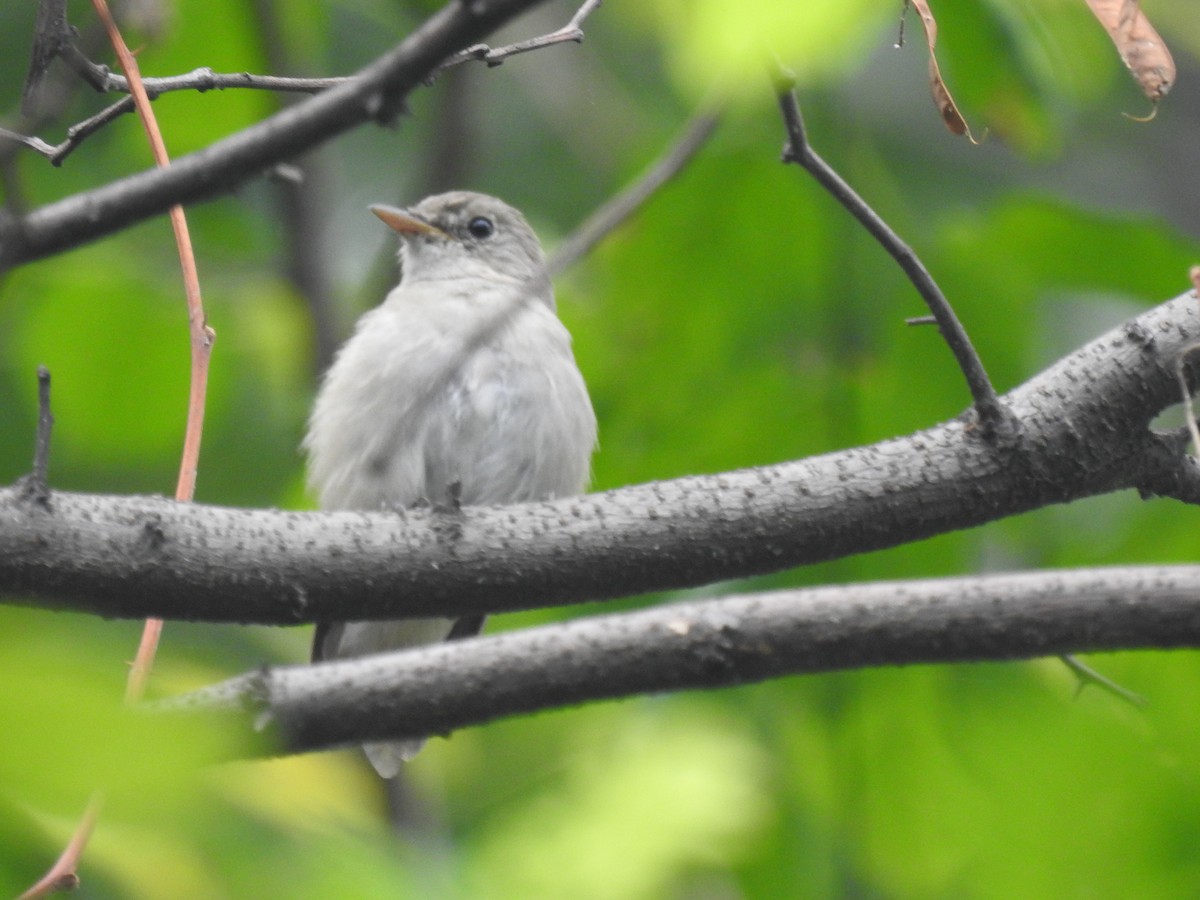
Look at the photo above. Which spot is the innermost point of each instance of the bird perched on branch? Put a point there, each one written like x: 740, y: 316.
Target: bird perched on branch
x: 460, y: 388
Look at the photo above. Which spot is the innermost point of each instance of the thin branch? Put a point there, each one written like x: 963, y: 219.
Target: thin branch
x: 1087, y: 675
x: 35, y: 144
x: 377, y: 93
x: 995, y: 420
x: 204, y: 79
x: 1086, y: 432
x: 708, y: 644
x: 62, y: 875
x: 610, y: 216
x: 76, y: 134
x: 50, y: 33
x: 572, y: 32
x: 36, y: 485
x: 302, y: 216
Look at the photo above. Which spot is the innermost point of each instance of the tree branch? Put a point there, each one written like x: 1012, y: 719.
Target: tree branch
x: 377, y: 92
x: 572, y: 32
x: 613, y: 213
x: 1085, y: 431
x: 54, y: 38
x: 996, y: 422
x: 36, y: 485
x: 716, y: 643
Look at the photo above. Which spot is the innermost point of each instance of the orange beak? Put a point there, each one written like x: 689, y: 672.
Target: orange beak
x: 404, y: 222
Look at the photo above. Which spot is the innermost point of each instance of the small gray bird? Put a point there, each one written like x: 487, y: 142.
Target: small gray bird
x: 460, y: 387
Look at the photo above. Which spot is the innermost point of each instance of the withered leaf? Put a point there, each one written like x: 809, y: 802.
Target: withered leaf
x: 1140, y: 46
x: 941, y: 94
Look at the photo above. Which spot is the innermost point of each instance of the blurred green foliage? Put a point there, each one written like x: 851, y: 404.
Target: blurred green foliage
x: 739, y: 319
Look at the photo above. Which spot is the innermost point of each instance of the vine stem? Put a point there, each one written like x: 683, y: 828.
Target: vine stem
x: 62, y: 875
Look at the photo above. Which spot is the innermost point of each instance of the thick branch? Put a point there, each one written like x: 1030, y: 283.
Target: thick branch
x: 377, y: 92
x: 713, y: 643
x: 1085, y: 431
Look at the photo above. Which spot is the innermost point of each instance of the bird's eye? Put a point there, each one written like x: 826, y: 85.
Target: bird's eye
x: 481, y: 227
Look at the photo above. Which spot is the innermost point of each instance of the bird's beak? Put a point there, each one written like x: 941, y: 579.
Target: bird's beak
x: 405, y: 223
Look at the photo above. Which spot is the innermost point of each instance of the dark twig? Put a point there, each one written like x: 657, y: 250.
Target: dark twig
x: 377, y: 93
x: 50, y: 33
x: 302, y: 193
x: 47, y: 91
x: 205, y: 79
x: 609, y: 216
x: 76, y: 134
x: 198, y: 80
x: 1087, y: 675
x: 899, y: 45
x: 36, y: 484
x: 41, y: 453
x: 572, y: 32
x: 995, y: 420
x: 35, y: 144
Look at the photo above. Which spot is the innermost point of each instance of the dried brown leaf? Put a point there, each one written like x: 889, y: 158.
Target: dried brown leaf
x: 941, y: 94
x: 1140, y: 46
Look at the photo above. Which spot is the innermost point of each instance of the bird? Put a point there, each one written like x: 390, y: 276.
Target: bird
x: 460, y: 388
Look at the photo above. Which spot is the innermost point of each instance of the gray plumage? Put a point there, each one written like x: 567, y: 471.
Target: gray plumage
x: 461, y: 382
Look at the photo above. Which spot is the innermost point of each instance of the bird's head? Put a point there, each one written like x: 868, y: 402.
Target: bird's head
x: 464, y: 235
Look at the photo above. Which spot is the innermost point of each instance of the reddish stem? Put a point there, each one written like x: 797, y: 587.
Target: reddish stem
x: 62, y: 875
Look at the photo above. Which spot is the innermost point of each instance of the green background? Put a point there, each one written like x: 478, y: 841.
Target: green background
x: 741, y: 318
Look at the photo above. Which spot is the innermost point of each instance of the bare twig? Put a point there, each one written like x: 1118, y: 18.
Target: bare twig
x: 50, y: 33
x: 62, y: 875
x: 41, y: 454
x: 994, y: 419
x: 36, y: 484
x: 203, y: 79
x: 1087, y: 675
x: 303, y: 195
x: 609, y: 216
x: 76, y: 134
x: 35, y: 144
x: 899, y: 45
x: 377, y: 93
x: 572, y: 32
